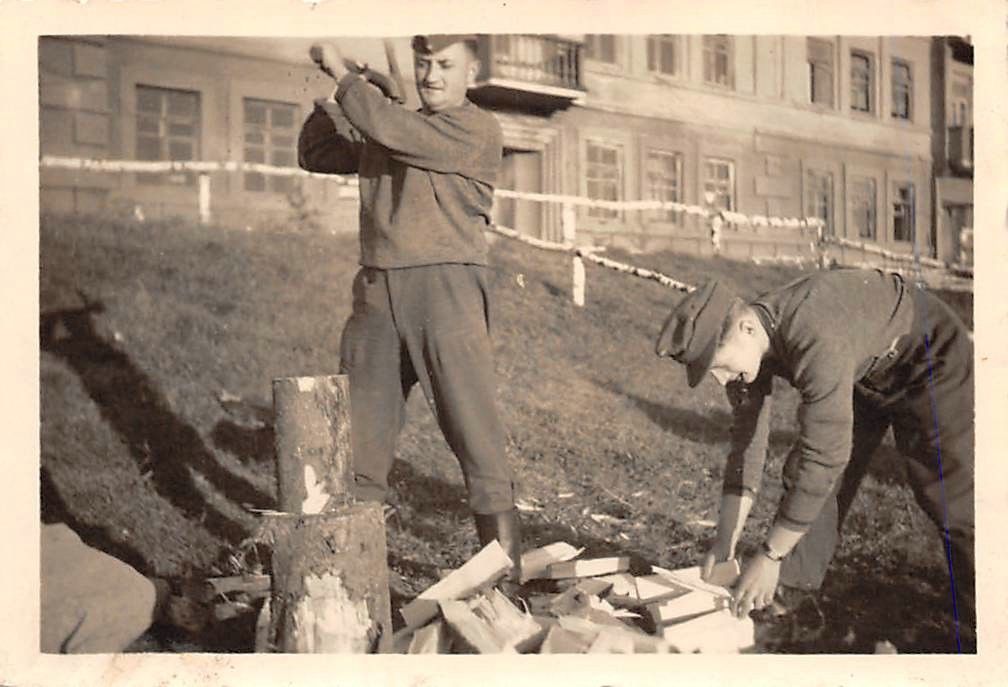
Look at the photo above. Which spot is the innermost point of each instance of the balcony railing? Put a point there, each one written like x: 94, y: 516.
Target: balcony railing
x: 542, y: 67
x: 960, y: 148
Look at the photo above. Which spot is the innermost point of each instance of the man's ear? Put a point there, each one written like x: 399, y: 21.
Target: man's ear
x: 472, y: 71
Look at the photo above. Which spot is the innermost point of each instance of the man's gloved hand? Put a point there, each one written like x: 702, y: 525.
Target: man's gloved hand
x: 383, y: 82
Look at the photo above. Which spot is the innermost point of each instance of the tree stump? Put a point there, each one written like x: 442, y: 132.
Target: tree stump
x: 330, y: 582
x: 329, y: 589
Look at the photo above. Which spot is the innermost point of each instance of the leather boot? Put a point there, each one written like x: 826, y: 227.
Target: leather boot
x: 506, y: 529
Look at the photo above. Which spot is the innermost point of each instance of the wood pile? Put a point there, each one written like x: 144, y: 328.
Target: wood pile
x: 573, y: 605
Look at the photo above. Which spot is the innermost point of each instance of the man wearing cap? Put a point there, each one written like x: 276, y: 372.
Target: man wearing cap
x: 420, y: 300
x: 865, y: 351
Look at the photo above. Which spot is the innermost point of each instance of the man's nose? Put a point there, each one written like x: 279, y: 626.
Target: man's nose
x: 433, y: 74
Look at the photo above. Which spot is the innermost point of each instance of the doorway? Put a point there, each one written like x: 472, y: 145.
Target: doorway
x: 521, y: 171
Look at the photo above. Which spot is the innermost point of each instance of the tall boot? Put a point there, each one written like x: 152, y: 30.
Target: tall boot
x: 506, y: 529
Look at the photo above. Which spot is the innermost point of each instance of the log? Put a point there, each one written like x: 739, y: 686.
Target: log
x: 487, y: 566
x: 312, y: 440
x: 330, y: 582
x: 262, y: 628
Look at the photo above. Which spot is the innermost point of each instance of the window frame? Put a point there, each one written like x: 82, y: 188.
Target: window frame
x: 870, y: 81
x: 710, y: 53
x: 671, y: 217
x: 590, y: 44
x: 655, y: 43
x: 732, y: 179
x: 598, y: 214
x: 814, y: 174
x: 872, y: 196
x: 271, y: 183
x: 910, y: 207
x: 164, y: 136
x: 895, y: 64
x: 814, y: 65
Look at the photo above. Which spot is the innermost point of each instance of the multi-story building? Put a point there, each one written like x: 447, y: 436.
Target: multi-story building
x: 828, y: 126
x: 952, y: 148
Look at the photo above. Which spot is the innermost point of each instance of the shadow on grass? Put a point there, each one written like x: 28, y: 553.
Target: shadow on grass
x: 706, y: 428
x: 54, y: 510
x: 158, y: 440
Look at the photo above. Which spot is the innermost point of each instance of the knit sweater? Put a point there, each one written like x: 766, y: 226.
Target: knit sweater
x: 426, y: 179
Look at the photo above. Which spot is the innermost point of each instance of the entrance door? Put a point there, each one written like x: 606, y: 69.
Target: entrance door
x: 521, y: 171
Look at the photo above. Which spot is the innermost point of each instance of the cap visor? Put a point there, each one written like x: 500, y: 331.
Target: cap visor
x: 696, y: 370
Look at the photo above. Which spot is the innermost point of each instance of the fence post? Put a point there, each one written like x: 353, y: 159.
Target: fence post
x: 204, y: 198
x: 568, y: 223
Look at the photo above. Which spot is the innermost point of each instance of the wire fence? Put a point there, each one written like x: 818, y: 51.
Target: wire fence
x: 717, y: 220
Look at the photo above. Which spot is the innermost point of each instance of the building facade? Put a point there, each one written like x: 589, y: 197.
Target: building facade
x: 952, y: 149
x: 842, y: 128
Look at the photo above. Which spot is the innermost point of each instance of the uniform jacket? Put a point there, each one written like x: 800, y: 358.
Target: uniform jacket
x: 828, y: 332
x: 426, y: 180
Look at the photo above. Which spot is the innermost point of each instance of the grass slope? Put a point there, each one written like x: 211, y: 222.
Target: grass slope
x: 145, y: 326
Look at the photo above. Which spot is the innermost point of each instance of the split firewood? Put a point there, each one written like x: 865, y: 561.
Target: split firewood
x: 590, y: 630
x: 514, y: 627
x: 535, y: 562
x: 487, y: 566
x: 429, y: 639
x: 724, y: 575
x: 253, y: 585
x: 589, y: 567
x: 685, y: 607
x: 718, y: 632
x: 561, y: 641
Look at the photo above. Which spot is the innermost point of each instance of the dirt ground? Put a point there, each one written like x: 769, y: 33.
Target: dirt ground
x: 159, y: 342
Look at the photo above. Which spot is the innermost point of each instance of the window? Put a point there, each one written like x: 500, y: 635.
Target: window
x: 270, y: 138
x: 861, y: 82
x: 958, y: 116
x: 902, y: 90
x: 604, y: 174
x: 820, y: 66
x: 167, y: 128
x: 717, y: 52
x: 663, y: 54
x: 903, y: 212
x: 719, y: 180
x: 819, y: 197
x: 863, y: 206
x: 663, y: 177
x: 601, y: 47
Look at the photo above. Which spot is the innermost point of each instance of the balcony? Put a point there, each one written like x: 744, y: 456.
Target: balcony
x: 960, y: 149
x: 528, y: 72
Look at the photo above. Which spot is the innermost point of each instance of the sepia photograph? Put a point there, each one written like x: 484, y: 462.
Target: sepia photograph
x: 505, y: 342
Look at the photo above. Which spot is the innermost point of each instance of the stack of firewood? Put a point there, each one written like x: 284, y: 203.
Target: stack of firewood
x: 573, y: 605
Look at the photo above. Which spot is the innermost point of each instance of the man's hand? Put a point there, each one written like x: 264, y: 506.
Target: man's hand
x: 719, y: 552
x: 756, y: 587
x: 329, y: 59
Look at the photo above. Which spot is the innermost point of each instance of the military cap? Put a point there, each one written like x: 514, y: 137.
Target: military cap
x: 690, y: 334
x: 433, y: 43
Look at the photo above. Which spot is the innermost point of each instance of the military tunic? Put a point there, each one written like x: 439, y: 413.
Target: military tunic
x: 865, y: 351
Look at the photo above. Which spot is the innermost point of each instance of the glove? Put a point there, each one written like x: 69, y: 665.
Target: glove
x: 383, y: 82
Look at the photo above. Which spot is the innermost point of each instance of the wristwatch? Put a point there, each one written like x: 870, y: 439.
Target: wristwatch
x: 770, y: 553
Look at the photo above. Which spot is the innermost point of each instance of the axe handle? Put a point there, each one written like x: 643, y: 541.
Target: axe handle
x: 393, y: 66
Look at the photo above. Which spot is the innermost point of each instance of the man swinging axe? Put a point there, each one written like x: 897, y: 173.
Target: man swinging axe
x: 866, y: 351
x: 420, y: 300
